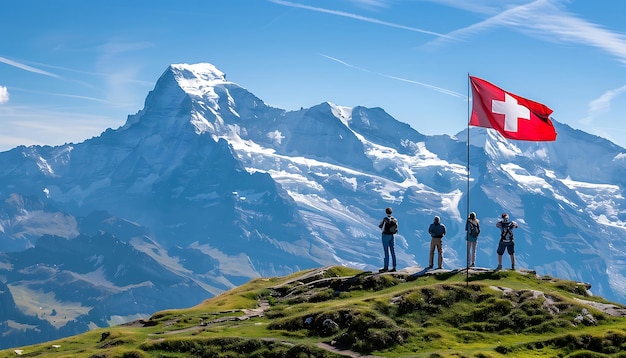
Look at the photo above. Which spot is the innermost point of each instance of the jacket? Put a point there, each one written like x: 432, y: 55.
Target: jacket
x: 437, y: 230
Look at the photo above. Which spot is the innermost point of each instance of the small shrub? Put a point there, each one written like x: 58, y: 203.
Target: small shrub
x: 532, y: 307
x: 379, y: 282
x: 492, y: 309
x: 432, y: 336
x: 384, y: 307
x: 485, y: 327
x: 417, y: 301
x: 573, y: 287
x: 275, y: 313
x: 502, y: 349
x: 322, y: 296
x: 549, y: 326
x: 468, y: 337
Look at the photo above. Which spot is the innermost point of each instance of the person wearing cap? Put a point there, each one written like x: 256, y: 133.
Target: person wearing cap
x: 437, y: 231
x: 506, y: 240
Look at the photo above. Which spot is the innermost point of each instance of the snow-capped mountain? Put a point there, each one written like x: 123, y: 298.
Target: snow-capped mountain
x: 207, y: 187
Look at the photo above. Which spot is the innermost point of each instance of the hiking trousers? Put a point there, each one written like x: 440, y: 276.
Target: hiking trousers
x: 389, y: 248
x: 436, y: 244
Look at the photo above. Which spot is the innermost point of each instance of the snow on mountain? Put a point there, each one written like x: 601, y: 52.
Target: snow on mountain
x: 217, y: 188
x: 570, y: 195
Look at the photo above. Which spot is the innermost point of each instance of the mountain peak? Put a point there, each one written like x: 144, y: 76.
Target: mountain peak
x: 196, y: 77
x: 169, y: 105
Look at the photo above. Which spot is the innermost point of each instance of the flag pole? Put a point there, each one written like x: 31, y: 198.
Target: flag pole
x: 468, y: 183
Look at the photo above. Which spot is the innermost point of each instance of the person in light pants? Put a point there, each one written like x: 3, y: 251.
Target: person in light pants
x: 472, y: 226
x: 437, y: 231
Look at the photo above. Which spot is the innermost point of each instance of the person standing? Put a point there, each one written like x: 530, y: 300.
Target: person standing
x: 472, y: 226
x: 506, y: 240
x: 437, y: 231
x: 389, y: 227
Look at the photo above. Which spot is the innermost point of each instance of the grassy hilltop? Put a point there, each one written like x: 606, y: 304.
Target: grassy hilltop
x: 338, y: 312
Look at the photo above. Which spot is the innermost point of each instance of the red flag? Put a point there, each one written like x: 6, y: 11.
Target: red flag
x: 513, y: 116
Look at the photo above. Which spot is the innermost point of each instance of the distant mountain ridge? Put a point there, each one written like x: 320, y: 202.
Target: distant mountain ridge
x: 208, y: 187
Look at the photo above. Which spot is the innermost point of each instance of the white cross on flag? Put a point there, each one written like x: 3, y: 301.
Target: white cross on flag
x: 513, y: 116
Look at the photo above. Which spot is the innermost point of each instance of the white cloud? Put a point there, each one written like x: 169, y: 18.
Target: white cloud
x: 47, y: 94
x: 4, y: 95
x: 546, y: 19
x: 356, y: 17
x: 602, y: 104
x: 435, y: 88
x: 26, y: 67
x: 121, y: 71
x: 480, y: 6
x: 370, y: 4
x: 39, y: 125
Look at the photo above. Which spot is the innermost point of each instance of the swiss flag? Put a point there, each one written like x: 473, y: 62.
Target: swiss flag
x: 513, y: 116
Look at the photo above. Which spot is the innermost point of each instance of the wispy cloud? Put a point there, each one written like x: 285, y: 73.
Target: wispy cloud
x: 602, y: 104
x: 346, y: 64
x: 116, y: 47
x: 92, y: 73
x: 573, y: 30
x: 371, y: 4
x: 27, y: 68
x: 116, y: 59
x: 93, y: 99
x: 32, y: 125
x: 478, y: 6
x: 521, y: 18
x: 429, y: 86
x: 4, y: 95
x: 548, y: 20
x: 356, y: 17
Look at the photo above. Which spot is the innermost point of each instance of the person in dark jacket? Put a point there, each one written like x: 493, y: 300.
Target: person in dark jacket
x: 437, y: 231
x: 388, y: 233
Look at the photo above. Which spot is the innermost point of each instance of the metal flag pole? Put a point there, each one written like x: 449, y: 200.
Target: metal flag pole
x: 468, y: 184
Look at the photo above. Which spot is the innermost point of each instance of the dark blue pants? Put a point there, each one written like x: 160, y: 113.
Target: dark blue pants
x: 388, y: 247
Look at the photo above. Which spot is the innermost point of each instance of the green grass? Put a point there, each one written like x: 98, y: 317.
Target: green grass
x: 492, y: 314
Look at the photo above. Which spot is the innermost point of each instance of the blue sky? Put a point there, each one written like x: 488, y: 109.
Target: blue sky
x: 71, y: 69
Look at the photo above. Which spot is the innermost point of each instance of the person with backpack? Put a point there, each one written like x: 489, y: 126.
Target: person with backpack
x: 506, y: 240
x: 389, y: 227
x: 472, y: 227
x: 437, y: 231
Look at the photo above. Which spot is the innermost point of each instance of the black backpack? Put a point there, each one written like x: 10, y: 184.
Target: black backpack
x: 474, y: 230
x: 391, y: 226
x: 507, y: 232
